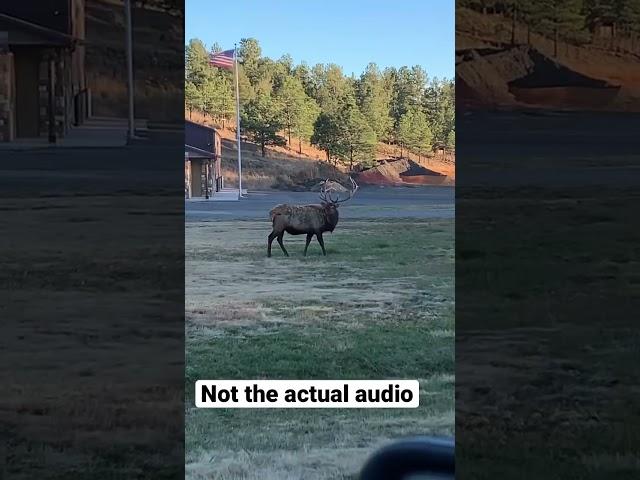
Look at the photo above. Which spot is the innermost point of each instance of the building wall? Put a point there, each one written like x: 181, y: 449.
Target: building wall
x: 7, y: 98
x: 66, y: 16
x: 78, y: 56
x: 63, y: 97
x: 26, y: 62
x: 67, y: 86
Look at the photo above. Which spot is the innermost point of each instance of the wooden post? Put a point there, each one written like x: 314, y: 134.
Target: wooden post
x: 187, y: 176
x: 51, y: 99
x: 206, y: 180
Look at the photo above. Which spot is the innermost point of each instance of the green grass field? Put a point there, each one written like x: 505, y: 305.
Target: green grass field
x: 380, y: 305
x: 547, y: 384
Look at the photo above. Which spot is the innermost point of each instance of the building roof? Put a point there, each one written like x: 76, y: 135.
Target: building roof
x: 199, y: 138
x: 23, y: 32
x: 194, y: 152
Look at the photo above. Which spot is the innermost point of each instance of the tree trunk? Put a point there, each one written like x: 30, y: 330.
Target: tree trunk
x: 190, y: 112
x: 262, y: 146
x: 289, y: 138
x: 299, y: 146
x: 328, y: 157
x: 401, y: 151
x: 351, y: 159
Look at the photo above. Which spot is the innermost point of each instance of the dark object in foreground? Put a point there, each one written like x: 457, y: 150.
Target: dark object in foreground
x: 309, y: 219
x: 413, y: 459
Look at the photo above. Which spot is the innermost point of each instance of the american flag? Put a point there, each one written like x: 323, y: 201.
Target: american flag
x: 222, y: 59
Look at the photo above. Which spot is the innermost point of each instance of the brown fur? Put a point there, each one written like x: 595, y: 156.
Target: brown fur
x: 302, y: 219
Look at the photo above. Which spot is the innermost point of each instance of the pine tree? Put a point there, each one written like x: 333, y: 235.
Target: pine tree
x: 451, y: 140
x: 326, y: 135
x: 291, y: 99
x: 517, y: 11
x: 247, y: 92
x: 303, y: 73
x: 287, y: 63
x: 249, y: 54
x: 261, y: 122
x: 408, y: 91
x: 439, y: 105
x: 357, y: 139
x: 414, y: 131
x: 217, y: 94
x: 192, y: 97
x: 627, y: 15
x: 299, y: 111
x: 556, y: 17
x: 374, y: 101
x: 197, y: 63
x: 329, y: 86
x: 303, y: 128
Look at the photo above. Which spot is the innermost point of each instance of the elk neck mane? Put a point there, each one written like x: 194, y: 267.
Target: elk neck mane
x: 331, y: 214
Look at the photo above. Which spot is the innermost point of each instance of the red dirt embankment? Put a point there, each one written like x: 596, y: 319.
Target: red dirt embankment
x: 521, y: 75
x: 491, y: 72
x: 396, y: 172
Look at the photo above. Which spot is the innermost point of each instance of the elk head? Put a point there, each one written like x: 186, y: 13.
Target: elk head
x: 326, y: 194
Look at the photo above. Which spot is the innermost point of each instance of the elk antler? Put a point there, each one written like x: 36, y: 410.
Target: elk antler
x: 352, y: 192
x: 323, y: 191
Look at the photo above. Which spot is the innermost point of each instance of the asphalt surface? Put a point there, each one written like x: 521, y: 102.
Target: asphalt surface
x: 369, y: 202
x: 149, y: 166
x: 548, y: 149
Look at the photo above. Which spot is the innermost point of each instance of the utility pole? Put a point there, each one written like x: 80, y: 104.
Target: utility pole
x: 235, y: 59
x: 131, y: 132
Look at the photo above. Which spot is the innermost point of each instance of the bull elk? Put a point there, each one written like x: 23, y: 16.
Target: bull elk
x: 308, y: 219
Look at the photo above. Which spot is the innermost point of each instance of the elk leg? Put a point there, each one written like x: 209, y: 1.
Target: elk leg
x: 272, y: 236
x: 309, y: 237
x: 321, y: 242
x: 286, y: 254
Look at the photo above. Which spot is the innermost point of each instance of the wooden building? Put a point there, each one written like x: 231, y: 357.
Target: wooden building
x: 42, y: 74
x: 202, y: 161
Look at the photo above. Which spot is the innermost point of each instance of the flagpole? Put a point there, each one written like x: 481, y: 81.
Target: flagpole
x: 235, y: 57
x: 131, y: 129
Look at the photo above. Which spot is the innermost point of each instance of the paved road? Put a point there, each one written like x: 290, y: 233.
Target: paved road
x: 369, y: 202
x: 548, y: 149
x: 149, y: 166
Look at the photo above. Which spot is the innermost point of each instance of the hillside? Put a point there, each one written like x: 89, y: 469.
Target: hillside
x: 158, y: 59
x: 345, y: 116
x: 283, y: 168
x: 491, y: 71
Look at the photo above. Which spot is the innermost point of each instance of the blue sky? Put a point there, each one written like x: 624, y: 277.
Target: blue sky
x: 350, y: 33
